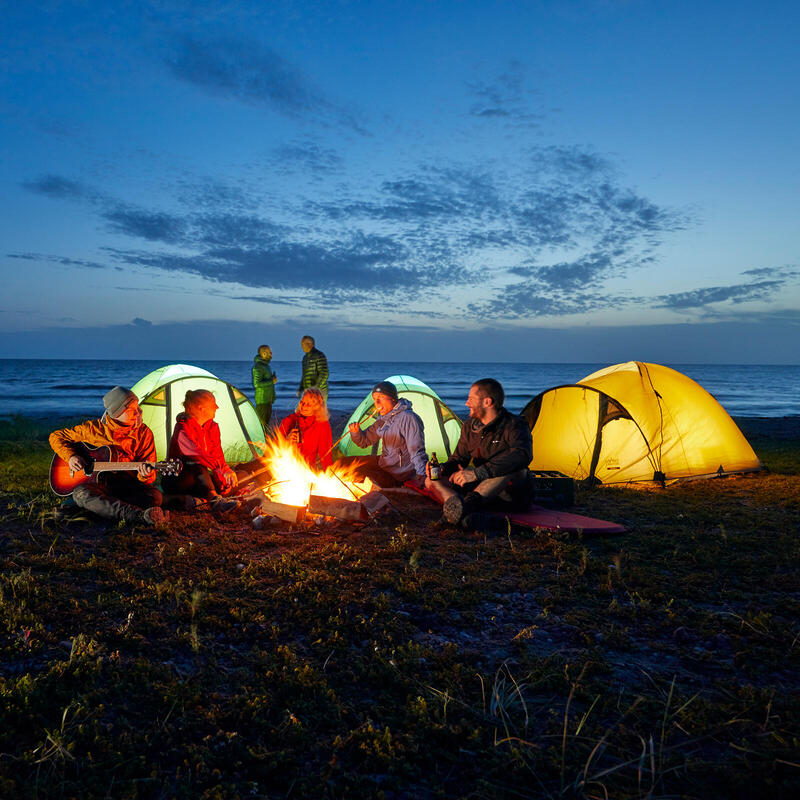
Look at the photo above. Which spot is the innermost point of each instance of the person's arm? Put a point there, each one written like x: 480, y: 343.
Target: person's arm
x: 322, y: 370
x: 287, y: 423
x: 146, y: 451
x: 516, y: 455
x: 414, y: 436
x: 325, y: 444
x: 65, y: 442
x: 460, y: 457
x: 365, y: 437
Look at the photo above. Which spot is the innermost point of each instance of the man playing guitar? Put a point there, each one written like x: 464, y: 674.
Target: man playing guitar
x: 128, y: 496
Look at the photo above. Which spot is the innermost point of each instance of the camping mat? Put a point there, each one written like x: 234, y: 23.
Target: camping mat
x: 548, y: 518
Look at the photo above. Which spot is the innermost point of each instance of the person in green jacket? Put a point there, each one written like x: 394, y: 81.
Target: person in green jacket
x: 264, y: 384
x: 315, y: 368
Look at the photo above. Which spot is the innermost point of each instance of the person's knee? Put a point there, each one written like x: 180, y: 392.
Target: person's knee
x: 82, y: 494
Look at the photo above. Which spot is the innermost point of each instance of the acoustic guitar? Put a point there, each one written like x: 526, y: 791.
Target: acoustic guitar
x: 63, y: 480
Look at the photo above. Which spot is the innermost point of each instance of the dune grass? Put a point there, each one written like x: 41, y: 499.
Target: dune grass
x: 212, y: 660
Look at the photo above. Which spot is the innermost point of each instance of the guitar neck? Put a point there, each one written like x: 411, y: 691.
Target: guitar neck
x: 116, y: 466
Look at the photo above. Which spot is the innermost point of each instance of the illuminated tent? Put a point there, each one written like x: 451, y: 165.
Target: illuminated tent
x: 161, y: 396
x: 442, y: 426
x: 635, y: 422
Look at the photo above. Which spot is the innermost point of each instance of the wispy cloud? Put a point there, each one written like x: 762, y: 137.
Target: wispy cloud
x: 62, y: 260
x: 254, y: 73
x: 59, y: 187
x: 713, y: 295
x: 504, y: 97
x: 546, y: 237
x: 307, y: 156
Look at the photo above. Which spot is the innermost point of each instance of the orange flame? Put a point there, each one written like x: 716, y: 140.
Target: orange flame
x: 293, y: 480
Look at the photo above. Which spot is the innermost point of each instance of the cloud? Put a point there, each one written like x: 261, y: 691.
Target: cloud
x: 503, y: 97
x: 153, y: 226
x: 60, y: 188
x: 63, y: 260
x: 351, y: 267
x: 308, y: 156
x: 545, y: 235
x: 252, y: 73
x: 700, y: 298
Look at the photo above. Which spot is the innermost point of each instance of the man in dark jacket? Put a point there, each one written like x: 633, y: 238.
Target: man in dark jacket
x: 490, y: 462
x: 315, y: 368
x: 264, y: 384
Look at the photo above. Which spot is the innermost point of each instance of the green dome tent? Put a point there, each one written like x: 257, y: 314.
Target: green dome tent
x: 161, y: 396
x: 635, y: 422
x: 442, y: 426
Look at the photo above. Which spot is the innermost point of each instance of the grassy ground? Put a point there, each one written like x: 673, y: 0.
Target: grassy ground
x: 216, y: 661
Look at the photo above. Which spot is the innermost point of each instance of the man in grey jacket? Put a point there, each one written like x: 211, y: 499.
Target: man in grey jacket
x: 403, y: 437
x: 490, y: 462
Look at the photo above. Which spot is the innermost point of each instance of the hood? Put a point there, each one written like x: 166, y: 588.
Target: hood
x: 401, y: 405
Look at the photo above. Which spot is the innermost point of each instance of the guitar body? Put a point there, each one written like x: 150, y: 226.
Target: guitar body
x: 63, y: 481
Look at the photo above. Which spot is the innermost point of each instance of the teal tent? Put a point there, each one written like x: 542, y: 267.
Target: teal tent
x: 161, y: 396
x: 442, y: 426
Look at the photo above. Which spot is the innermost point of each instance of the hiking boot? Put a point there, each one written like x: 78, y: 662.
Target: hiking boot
x: 223, y: 505
x: 439, y: 524
x: 155, y: 516
x: 453, y: 509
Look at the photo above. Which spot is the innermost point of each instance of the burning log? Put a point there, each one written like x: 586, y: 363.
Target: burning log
x: 283, y: 511
x: 348, y: 510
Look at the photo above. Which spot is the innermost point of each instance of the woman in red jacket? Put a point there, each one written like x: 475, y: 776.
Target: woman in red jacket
x: 309, y: 430
x: 196, y: 442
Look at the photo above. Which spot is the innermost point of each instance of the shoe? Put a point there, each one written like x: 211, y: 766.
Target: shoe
x: 155, y: 516
x: 439, y: 524
x: 453, y: 509
x: 222, y: 505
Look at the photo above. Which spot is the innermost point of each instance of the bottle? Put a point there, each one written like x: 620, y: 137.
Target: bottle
x: 434, y: 468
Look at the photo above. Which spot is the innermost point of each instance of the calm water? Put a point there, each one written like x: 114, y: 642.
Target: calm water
x: 75, y: 387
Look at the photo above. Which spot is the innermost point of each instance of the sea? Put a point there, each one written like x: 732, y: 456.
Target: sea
x: 70, y: 388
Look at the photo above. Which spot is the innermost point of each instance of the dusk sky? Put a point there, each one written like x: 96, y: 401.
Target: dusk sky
x: 587, y: 180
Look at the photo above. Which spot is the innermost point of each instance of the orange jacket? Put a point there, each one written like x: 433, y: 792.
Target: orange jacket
x: 127, y: 442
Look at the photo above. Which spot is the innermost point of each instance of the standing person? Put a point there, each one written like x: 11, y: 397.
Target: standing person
x: 403, y: 436
x: 264, y: 380
x: 315, y: 368
x: 196, y: 442
x: 126, y: 496
x: 491, y: 459
x: 309, y: 429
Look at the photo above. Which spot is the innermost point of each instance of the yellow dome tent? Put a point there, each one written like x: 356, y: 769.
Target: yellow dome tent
x: 635, y: 422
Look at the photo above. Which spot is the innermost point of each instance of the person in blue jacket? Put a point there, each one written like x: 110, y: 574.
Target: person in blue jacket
x: 403, y: 436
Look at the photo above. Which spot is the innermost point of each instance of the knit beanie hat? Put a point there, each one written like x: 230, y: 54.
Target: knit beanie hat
x: 387, y: 388
x: 117, y: 399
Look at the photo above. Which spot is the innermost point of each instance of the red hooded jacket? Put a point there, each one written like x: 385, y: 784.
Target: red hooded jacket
x: 316, y: 439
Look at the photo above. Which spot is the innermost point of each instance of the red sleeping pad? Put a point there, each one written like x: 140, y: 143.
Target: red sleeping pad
x: 540, y: 517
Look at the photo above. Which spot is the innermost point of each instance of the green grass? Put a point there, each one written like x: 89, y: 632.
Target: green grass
x: 216, y: 661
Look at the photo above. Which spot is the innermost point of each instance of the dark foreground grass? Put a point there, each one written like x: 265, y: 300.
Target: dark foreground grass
x: 216, y: 661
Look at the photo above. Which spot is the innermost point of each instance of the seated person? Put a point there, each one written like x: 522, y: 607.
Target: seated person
x: 128, y: 496
x: 309, y: 430
x: 196, y: 442
x: 403, y: 436
x: 497, y: 445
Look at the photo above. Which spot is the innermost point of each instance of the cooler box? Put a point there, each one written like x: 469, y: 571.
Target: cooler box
x: 552, y: 489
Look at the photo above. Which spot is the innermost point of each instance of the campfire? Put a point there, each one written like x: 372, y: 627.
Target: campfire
x: 295, y: 489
